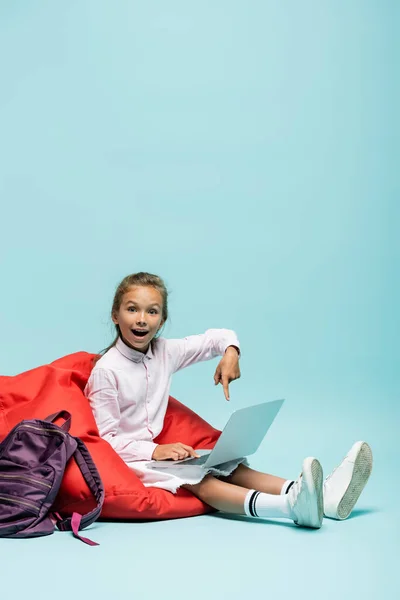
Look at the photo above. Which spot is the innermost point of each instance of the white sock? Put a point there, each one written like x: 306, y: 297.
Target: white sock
x: 286, y: 486
x: 268, y: 506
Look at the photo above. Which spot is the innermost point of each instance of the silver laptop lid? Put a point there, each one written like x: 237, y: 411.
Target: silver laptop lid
x: 244, y: 432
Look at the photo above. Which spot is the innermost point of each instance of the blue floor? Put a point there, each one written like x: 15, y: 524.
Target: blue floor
x: 219, y: 556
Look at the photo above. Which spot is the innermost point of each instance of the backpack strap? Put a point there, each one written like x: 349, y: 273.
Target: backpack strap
x: 91, y: 476
x: 62, y: 414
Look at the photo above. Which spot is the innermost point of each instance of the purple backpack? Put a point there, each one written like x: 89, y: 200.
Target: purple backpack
x: 33, y: 458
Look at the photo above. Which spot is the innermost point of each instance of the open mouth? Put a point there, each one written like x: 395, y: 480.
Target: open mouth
x: 139, y: 332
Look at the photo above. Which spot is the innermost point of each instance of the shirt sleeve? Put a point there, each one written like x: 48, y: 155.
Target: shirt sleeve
x: 197, y: 348
x: 102, y: 393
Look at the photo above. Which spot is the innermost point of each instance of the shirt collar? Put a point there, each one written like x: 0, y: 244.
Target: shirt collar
x: 132, y: 354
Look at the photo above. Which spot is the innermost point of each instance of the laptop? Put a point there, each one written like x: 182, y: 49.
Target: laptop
x: 241, y: 437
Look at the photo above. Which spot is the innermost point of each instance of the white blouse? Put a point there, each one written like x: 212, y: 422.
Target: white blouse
x: 128, y: 391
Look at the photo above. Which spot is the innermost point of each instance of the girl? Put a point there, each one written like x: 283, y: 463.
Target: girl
x: 128, y: 391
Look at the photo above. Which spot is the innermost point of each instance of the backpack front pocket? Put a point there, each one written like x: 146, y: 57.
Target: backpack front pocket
x: 13, y: 509
x: 27, y: 488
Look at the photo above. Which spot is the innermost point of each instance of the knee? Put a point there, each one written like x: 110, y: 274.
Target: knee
x: 203, y: 488
x: 240, y: 470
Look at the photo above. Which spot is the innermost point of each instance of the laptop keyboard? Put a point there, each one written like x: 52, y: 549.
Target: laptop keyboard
x: 195, y: 461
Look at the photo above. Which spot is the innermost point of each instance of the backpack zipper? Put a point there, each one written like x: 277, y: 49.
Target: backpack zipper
x: 22, y: 502
x: 44, y: 429
x: 26, y: 478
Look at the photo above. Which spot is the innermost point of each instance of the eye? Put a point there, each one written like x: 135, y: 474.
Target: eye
x: 131, y: 308
x: 153, y: 311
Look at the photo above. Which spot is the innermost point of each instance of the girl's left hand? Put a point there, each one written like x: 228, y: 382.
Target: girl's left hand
x: 228, y: 369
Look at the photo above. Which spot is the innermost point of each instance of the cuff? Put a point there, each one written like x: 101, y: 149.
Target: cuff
x: 234, y: 346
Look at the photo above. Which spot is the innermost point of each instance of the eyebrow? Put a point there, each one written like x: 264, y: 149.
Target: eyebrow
x: 150, y: 305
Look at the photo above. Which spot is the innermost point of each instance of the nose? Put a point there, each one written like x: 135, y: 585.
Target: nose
x: 141, y: 319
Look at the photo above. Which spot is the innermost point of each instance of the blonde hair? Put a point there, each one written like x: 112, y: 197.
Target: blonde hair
x: 133, y: 280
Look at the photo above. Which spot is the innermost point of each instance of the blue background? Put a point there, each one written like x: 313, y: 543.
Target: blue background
x: 247, y: 152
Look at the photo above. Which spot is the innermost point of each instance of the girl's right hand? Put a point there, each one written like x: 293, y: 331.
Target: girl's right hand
x: 176, y: 451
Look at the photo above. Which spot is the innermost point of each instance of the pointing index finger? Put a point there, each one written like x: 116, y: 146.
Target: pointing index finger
x: 225, y: 383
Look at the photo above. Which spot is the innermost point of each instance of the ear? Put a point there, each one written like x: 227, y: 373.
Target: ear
x: 114, y: 319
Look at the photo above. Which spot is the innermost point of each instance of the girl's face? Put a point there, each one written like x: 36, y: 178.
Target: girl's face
x: 140, y: 316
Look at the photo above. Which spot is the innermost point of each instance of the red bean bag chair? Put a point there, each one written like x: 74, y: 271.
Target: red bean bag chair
x: 47, y: 389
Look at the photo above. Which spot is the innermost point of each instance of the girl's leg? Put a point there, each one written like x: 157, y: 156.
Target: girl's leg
x: 237, y: 500
x: 303, y: 503
x: 220, y: 495
x: 250, y: 479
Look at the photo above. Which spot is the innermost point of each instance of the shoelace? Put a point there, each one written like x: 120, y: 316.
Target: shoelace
x: 294, y: 494
x: 296, y: 487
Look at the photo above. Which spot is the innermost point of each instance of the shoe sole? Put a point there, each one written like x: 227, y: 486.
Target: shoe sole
x: 312, y: 466
x: 361, y: 472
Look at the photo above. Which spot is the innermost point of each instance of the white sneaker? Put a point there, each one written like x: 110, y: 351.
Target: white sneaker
x: 343, y: 486
x: 306, y: 496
